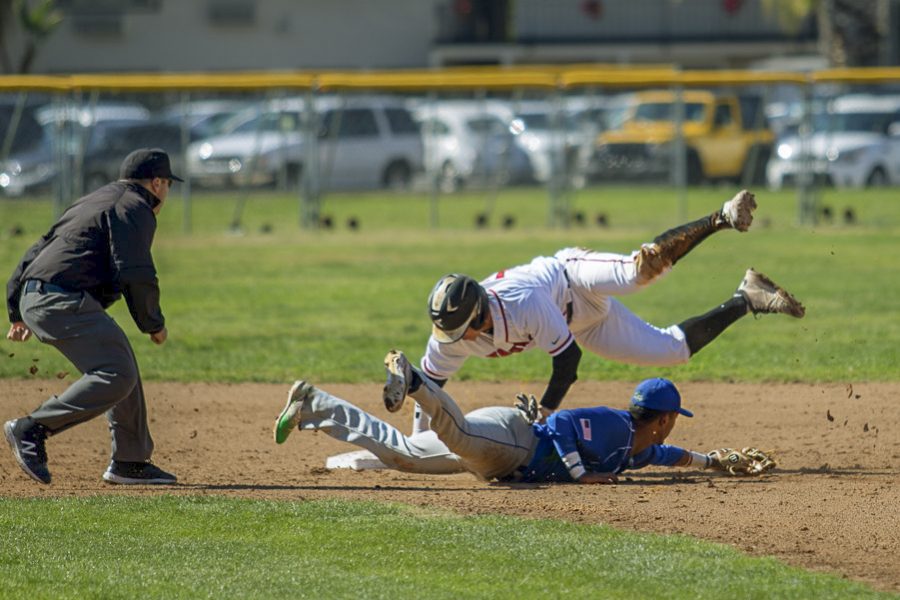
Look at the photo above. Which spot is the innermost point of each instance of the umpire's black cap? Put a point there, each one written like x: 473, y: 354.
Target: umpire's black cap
x: 147, y: 163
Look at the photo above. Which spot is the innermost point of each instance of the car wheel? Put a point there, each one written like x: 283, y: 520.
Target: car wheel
x: 877, y: 178
x: 293, y: 174
x: 754, y: 170
x: 397, y: 176
x: 694, y: 168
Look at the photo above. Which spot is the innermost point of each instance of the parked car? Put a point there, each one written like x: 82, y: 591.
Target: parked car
x: 363, y: 143
x: 726, y: 137
x: 69, y: 134
x: 21, y: 135
x: 473, y: 143
x: 204, y: 118
x: 552, y: 139
x: 88, y: 113
x: 855, y: 142
x: 30, y: 170
x: 110, y: 142
x: 19, y: 127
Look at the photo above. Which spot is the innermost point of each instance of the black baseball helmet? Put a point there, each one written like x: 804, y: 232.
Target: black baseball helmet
x: 456, y: 303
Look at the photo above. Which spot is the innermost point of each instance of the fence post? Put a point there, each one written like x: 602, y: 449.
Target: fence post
x: 434, y: 172
x: 185, y: 141
x: 556, y: 183
x: 310, y: 194
x: 807, y: 194
x: 679, y: 156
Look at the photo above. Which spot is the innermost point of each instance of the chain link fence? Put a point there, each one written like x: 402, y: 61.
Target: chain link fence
x: 569, y: 131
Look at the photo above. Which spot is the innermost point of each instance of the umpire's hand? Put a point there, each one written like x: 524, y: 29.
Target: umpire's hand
x: 160, y: 336
x: 18, y: 332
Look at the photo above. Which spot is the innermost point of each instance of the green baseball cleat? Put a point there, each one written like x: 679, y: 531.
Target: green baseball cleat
x: 289, y: 418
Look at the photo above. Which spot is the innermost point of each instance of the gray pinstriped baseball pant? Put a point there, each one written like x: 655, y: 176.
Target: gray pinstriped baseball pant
x: 489, y: 442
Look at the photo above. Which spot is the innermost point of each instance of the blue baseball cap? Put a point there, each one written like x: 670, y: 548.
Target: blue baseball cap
x: 659, y: 394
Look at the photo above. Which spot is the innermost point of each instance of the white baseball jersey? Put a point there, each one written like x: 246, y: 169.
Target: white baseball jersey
x: 553, y: 301
x: 528, y: 305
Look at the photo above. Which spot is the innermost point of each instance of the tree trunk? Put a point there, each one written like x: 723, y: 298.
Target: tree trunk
x: 27, y: 57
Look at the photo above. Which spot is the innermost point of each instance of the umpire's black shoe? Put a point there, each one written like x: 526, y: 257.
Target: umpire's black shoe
x: 26, y: 438
x: 137, y: 473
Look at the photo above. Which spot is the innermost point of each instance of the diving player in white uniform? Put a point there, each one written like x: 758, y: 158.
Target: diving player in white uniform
x: 563, y: 302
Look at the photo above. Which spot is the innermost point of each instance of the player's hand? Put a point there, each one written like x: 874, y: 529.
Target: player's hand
x: 601, y: 478
x: 18, y: 332
x: 160, y: 336
x: 545, y: 412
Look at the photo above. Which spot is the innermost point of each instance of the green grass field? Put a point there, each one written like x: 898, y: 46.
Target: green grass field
x: 327, y: 304
x: 277, y: 302
x: 224, y: 548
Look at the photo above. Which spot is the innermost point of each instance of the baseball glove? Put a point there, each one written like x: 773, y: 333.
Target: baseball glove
x: 746, y: 461
x: 529, y: 406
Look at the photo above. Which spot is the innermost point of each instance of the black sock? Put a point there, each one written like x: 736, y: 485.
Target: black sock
x: 415, y: 382
x: 699, y: 331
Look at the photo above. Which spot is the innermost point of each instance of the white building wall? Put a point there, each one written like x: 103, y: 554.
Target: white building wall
x: 641, y: 19
x: 287, y: 34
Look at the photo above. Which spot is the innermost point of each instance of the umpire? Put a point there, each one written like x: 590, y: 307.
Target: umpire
x: 98, y: 251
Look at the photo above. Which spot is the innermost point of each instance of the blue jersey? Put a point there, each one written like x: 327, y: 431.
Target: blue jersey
x: 598, y: 438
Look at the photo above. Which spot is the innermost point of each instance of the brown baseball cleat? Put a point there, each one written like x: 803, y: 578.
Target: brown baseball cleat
x: 738, y: 211
x: 764, y: 296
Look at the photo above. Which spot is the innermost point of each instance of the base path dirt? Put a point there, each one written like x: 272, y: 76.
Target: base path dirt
x: 832, y: 505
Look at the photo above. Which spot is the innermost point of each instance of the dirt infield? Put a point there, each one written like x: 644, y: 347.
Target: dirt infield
x: 832, y: 505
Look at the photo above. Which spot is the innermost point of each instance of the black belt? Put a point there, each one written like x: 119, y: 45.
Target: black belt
x: 569, y: 303
x: 42, y: 287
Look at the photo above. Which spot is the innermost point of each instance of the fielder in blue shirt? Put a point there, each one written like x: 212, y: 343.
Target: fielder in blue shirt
x: 593, y: 445
x: 583, y: 445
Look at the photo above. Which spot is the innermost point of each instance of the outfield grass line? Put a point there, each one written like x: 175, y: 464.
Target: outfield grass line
x: 192, y: 547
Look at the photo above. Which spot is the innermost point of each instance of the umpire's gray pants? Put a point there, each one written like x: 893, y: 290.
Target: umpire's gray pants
x: 76, y: 325
x: 491, y: 442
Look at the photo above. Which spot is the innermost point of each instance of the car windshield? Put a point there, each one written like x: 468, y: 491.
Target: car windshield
x: 865, y: 122
x: 547, y: 121
x: 486, y: 126
x: 272, y: 121
x: 665, y: 111
x: 535, y: 120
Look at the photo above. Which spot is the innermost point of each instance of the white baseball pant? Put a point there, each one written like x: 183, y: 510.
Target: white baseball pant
x: 602, y: 324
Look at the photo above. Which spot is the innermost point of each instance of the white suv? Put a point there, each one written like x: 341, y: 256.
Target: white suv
x: 472, y: 143
x: 855, y: 143
x: 363, y: 143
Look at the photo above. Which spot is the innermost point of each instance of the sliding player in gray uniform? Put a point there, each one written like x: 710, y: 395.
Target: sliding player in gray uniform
x: 585, y: 445
x: 564, y: 302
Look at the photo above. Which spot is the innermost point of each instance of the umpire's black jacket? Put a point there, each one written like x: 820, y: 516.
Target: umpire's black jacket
x: 100, y: 245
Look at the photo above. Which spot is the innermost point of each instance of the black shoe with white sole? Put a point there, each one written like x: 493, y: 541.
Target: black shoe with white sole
x: 26, y: 439
x: 137, y: 473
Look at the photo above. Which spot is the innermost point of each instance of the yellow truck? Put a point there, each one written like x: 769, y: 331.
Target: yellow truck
x: 726, y: 138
